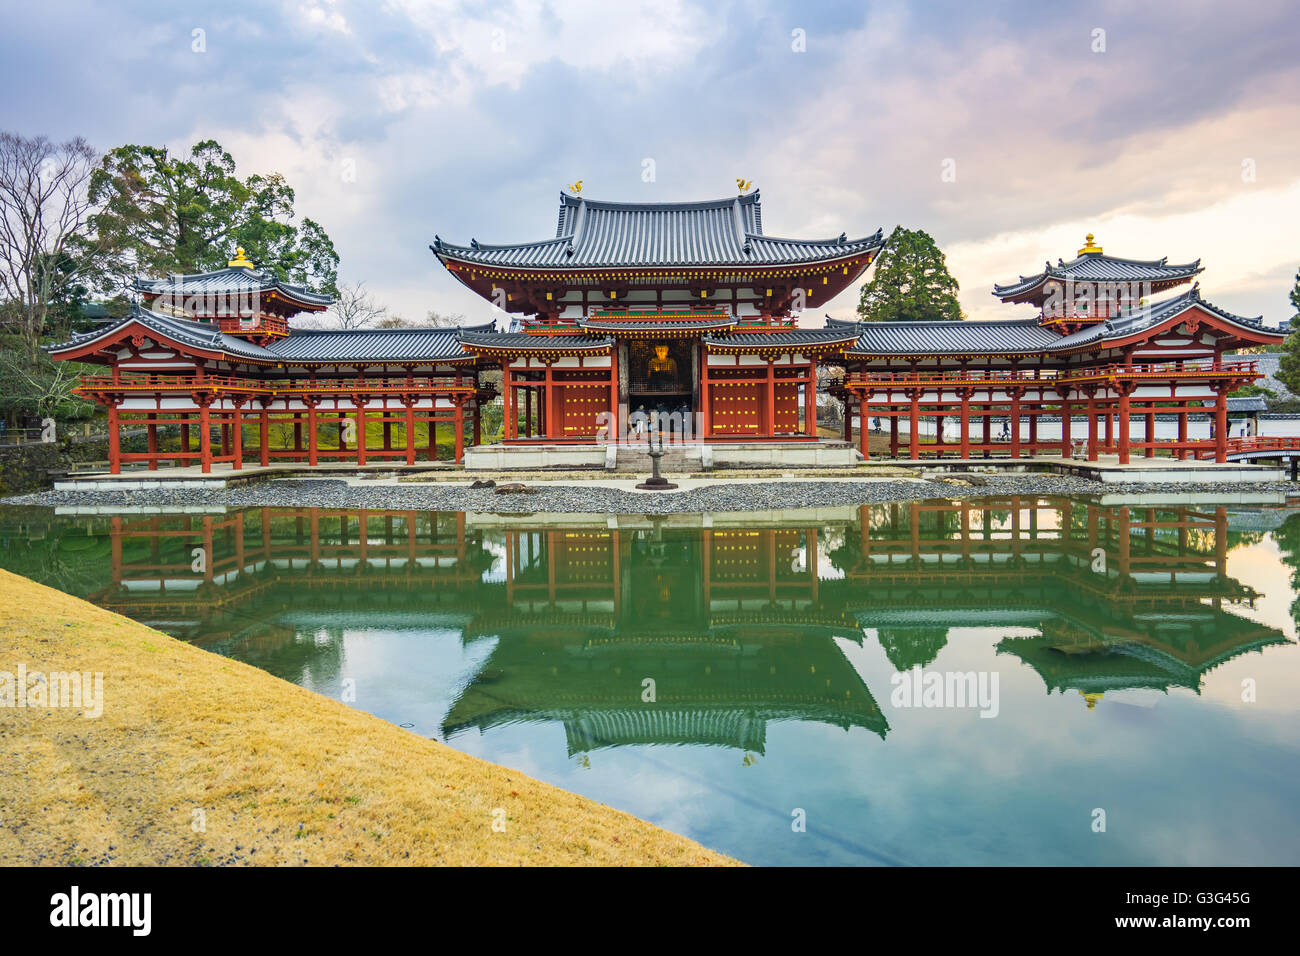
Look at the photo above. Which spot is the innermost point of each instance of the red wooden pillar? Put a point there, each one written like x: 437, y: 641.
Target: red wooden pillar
x: 508, y: 402
x: 1092, y: 427
x: 152, y: 439
x: 114, y: 440
x: 311, y: 433
x: 893, y: 431
x: 810, y: 402
x: 914, y: 446
x: 360, y: 402
x: 1066, y: 441
x: 409, y: 402
x: 1151, y: 435
x: 1110, y: 428
x: 205, y: 439
x: 553, y: 418
x: 1182, y: 432
x: 1221, y: 424
x: 460, y: 429
x: 614, y: 430
x: 706, y: 398
x: 264, y: 437
x: 1015, y: 423
x: 965, y: 423
x: 185, y: 440
x: 237, y: 437
x: 864, y: 427
x: 771, y: 399
x: 1123, y: 424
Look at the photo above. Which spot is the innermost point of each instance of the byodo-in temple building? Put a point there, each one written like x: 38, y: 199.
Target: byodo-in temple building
x: 676, y: 317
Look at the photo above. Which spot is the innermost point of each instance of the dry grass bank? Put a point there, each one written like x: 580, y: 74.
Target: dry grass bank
x: 281, y: 775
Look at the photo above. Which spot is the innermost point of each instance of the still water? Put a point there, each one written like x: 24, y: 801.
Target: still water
x: 1066, y: 663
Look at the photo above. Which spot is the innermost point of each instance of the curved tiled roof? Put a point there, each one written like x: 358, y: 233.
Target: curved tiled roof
x: 794, y: 338
x: 1020, y: 336
x: 1135, y: 320
x: 302, y: 345
x: 592, y: 234
x: 657, y: 324
x: 200, y: 335
x: 374, y: 345
x: 232, y: 280
x: 959, y: 337
x: 525, y: 342
x: 1099, y: 267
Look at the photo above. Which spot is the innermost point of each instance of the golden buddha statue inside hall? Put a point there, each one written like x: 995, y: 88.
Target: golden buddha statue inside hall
x: 661, y: 367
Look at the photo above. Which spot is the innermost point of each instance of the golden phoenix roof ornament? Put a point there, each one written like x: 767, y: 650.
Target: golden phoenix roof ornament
x: 1088, y: 245
x: 744, y: 184
x: 575, y: 188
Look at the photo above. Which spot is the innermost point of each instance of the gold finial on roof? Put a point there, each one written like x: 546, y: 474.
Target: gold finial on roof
x: 575, y: 188
x: 1088, y: 246
x: 1091, y: 698
x: 241, y: 261
x: 744, y: 184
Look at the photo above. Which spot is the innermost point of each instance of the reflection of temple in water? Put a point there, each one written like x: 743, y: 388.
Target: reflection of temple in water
x: 1121, y: 597
x: 725, y: 623
x: 734, y: 626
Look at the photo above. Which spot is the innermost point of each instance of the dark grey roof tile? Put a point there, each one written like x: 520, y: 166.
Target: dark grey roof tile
x: 592, y: 234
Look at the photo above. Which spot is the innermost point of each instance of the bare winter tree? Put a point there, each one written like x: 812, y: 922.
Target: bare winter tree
x: 433, y: 320
x: 44, y: 210
x: 355, y: 308
x: 439, y: 321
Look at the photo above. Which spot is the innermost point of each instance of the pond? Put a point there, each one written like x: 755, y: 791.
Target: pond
x: 1009, y: 681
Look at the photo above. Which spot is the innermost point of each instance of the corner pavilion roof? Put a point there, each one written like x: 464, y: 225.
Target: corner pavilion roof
x: 316, y: 346
x: 719, y: 232
x: 235, y: 279
x: 1024, y: 336
x: 1096, y: 266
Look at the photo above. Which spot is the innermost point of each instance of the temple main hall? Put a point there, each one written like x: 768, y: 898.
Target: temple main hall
x: 686, y: 320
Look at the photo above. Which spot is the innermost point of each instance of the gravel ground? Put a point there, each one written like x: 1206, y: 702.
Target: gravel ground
x: 725, y: 496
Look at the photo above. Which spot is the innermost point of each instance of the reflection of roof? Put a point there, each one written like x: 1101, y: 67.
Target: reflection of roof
x: 1098, y: 267
x: 1099, y: 665
x: 733, y: 687
x: 594, y: 234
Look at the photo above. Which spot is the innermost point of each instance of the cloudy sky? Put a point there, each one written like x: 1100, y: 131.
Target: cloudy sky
x: 1168, y: 129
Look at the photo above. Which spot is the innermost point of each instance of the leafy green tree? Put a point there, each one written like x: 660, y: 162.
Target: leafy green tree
x: 1288, y: 364
x: 911, y: 282
x: 161, y: 214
